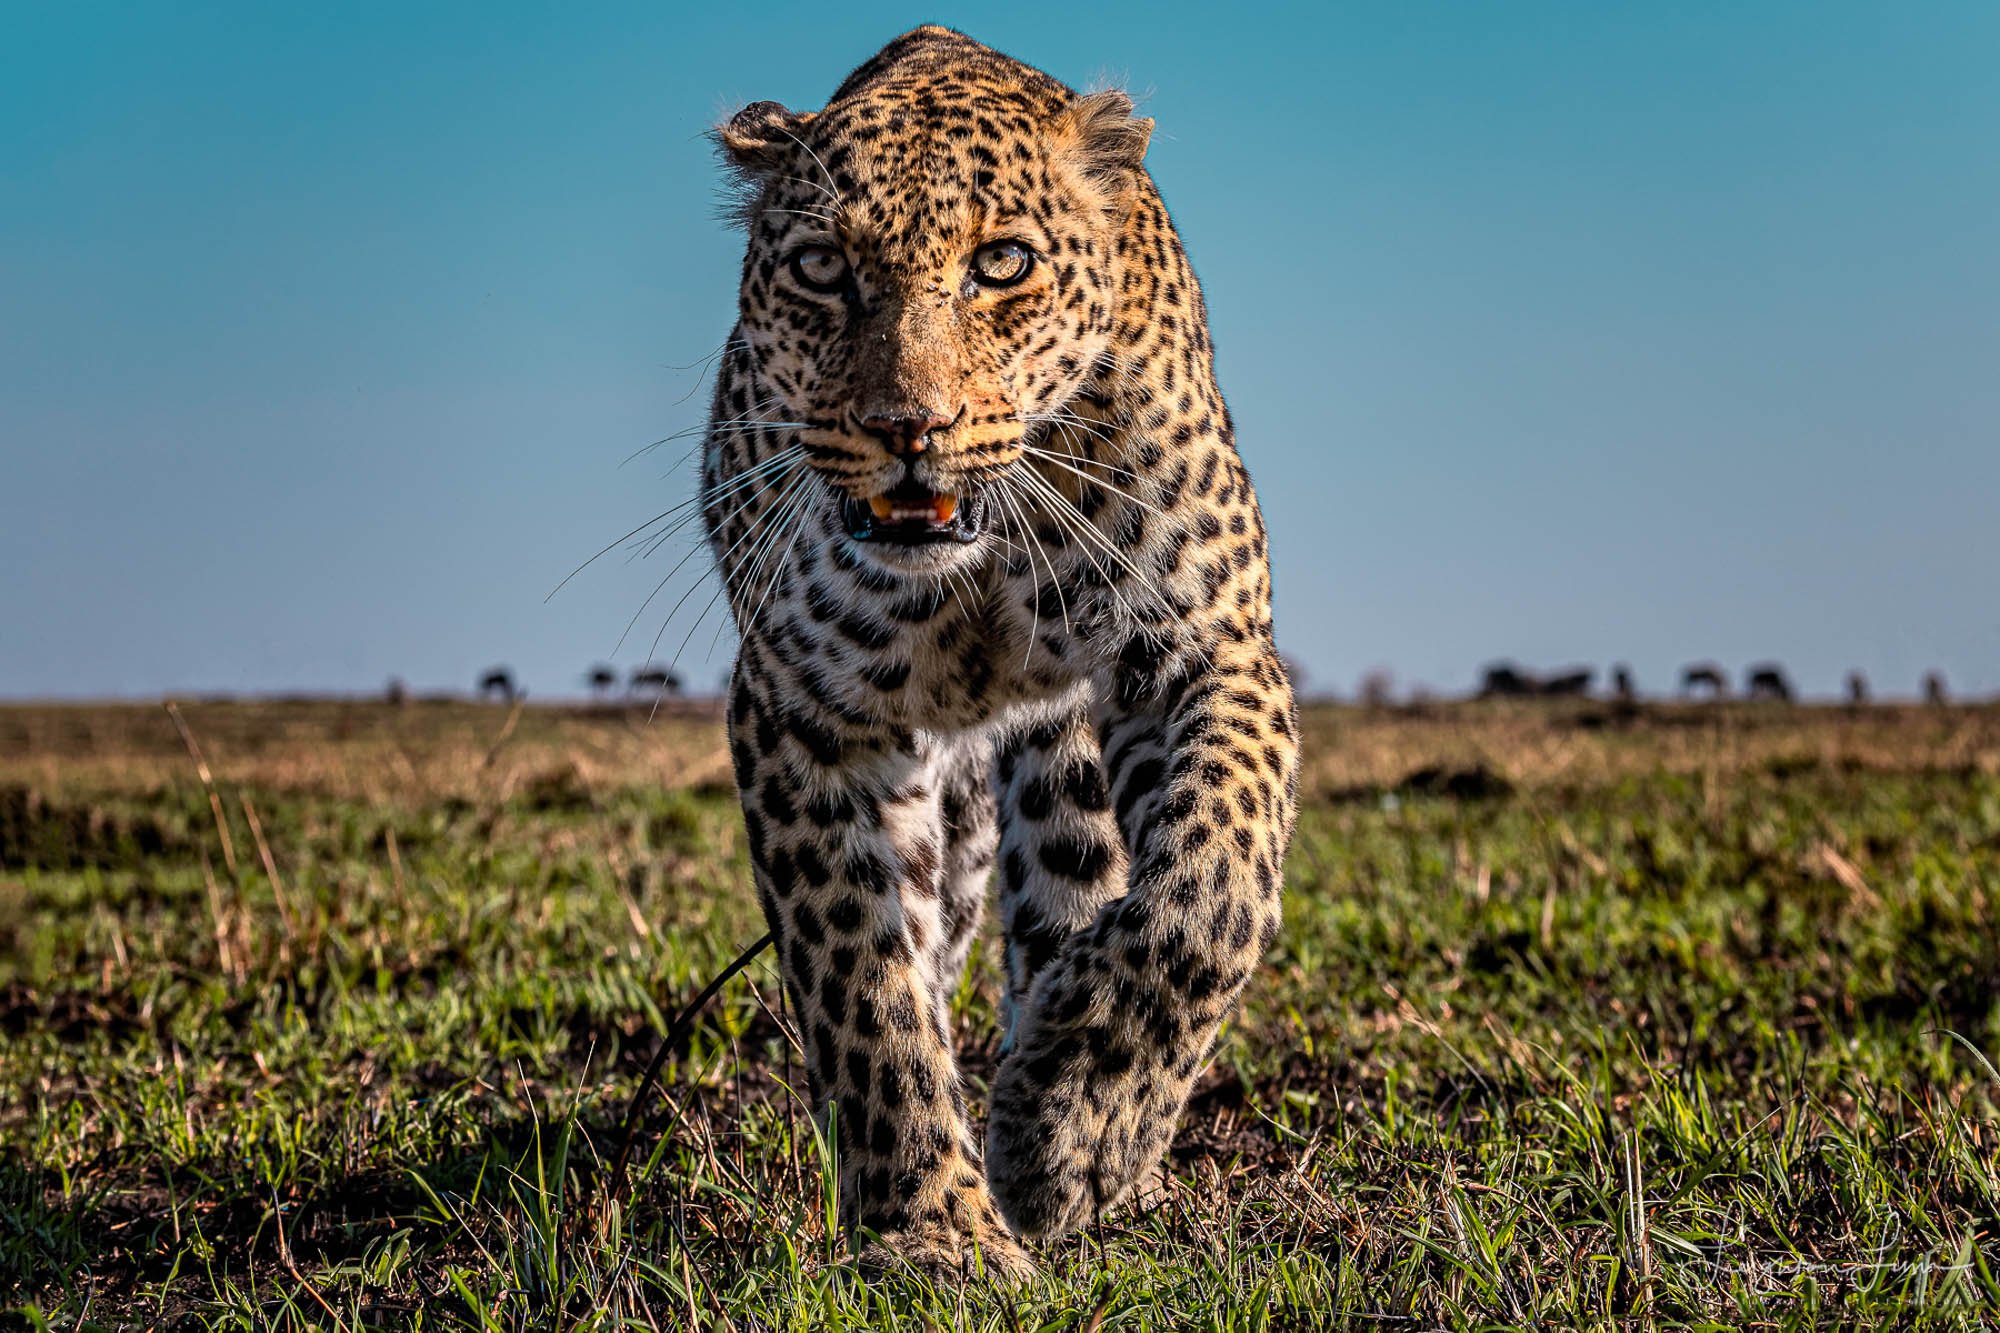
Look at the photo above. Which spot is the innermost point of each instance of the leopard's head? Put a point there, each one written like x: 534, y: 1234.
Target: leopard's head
x: 930, y: 277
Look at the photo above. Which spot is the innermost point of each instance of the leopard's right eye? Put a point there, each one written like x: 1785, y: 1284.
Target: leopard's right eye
x: 820, y: 268
x: 1002, y: 264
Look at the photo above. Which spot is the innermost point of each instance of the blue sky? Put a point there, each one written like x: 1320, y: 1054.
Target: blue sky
x: 1566, y: 332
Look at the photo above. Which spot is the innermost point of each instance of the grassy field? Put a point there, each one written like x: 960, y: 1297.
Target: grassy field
x: 1579, y: 1017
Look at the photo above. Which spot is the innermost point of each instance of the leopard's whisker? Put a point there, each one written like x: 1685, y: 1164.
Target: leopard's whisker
x: 788, y: 526
x: 705, y: 427
x: 705, y: 430
x: 749, y: 416
x: 797, y: 524
x: 1111, y: 581
x: 814, y: 185
x: 726, y: 345
x: 1094, y: 430
x: 951, y: 577
x: 1076, y: 524
x: 778, y: 460
x: 752, y: 559
x: 1031, y: 543
x: 663, y: 515
x: 723, y: 570
x: 1090, y: 529
x: 772, y: 523
x: 701, y: 577
x: 748, y: 421
x: 832, y: 186
x: 1087, y: 458
x: 686, y: 556
x: 707, y: 364
x: 1088, y: 534
x: 722, y: 588
x: 1062, y: 599
x: 696, y: 504
x: 782, y: 477
x: 1010, y: 519
x: 1066, y: 416
x: 1098, y: 482
x: 707, y: 495
x: 606, y: 551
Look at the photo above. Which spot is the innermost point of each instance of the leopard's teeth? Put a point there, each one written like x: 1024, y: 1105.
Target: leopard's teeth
x: 935, y: 509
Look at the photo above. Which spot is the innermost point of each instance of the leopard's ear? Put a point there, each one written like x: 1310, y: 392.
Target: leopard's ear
x: 1108, y: 141
x: 757, y: 139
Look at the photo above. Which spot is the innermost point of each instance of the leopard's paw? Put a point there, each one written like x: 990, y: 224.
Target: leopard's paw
x: 944, y: 1253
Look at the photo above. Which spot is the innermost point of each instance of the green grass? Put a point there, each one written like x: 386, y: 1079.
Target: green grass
x: 1686, y: 1021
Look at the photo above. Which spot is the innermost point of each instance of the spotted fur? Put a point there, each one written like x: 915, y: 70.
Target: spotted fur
x: 1085, y: 693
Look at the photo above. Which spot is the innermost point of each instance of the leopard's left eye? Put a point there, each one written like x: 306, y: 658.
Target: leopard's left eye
x: 820, y: 268
x: 1002, y: 264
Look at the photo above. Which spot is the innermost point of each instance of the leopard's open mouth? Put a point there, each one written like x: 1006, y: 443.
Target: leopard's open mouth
x: 911, y: 514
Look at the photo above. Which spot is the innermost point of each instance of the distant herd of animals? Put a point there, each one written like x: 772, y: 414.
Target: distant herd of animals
x: 1499, y: 680
x: 1699, y: 680
x: 642, y: 682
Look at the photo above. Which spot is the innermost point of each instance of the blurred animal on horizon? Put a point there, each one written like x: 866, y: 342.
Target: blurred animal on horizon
x: 1767, y: 680
x: 499, y: 682
x: 1704, y: 676
x: 1508, y: 680
x: 656, y: 680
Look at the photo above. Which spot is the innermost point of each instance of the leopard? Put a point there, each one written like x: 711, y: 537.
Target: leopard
x: 1002, y: 600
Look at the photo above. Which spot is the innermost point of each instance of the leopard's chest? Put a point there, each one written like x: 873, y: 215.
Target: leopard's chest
x: 944, y: 658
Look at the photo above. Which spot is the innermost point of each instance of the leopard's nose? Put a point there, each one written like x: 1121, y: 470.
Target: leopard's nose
x: 905, y: 432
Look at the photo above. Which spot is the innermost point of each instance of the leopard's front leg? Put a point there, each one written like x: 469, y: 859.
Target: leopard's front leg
x: 846, y: 834
x: 1122, y: 1019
